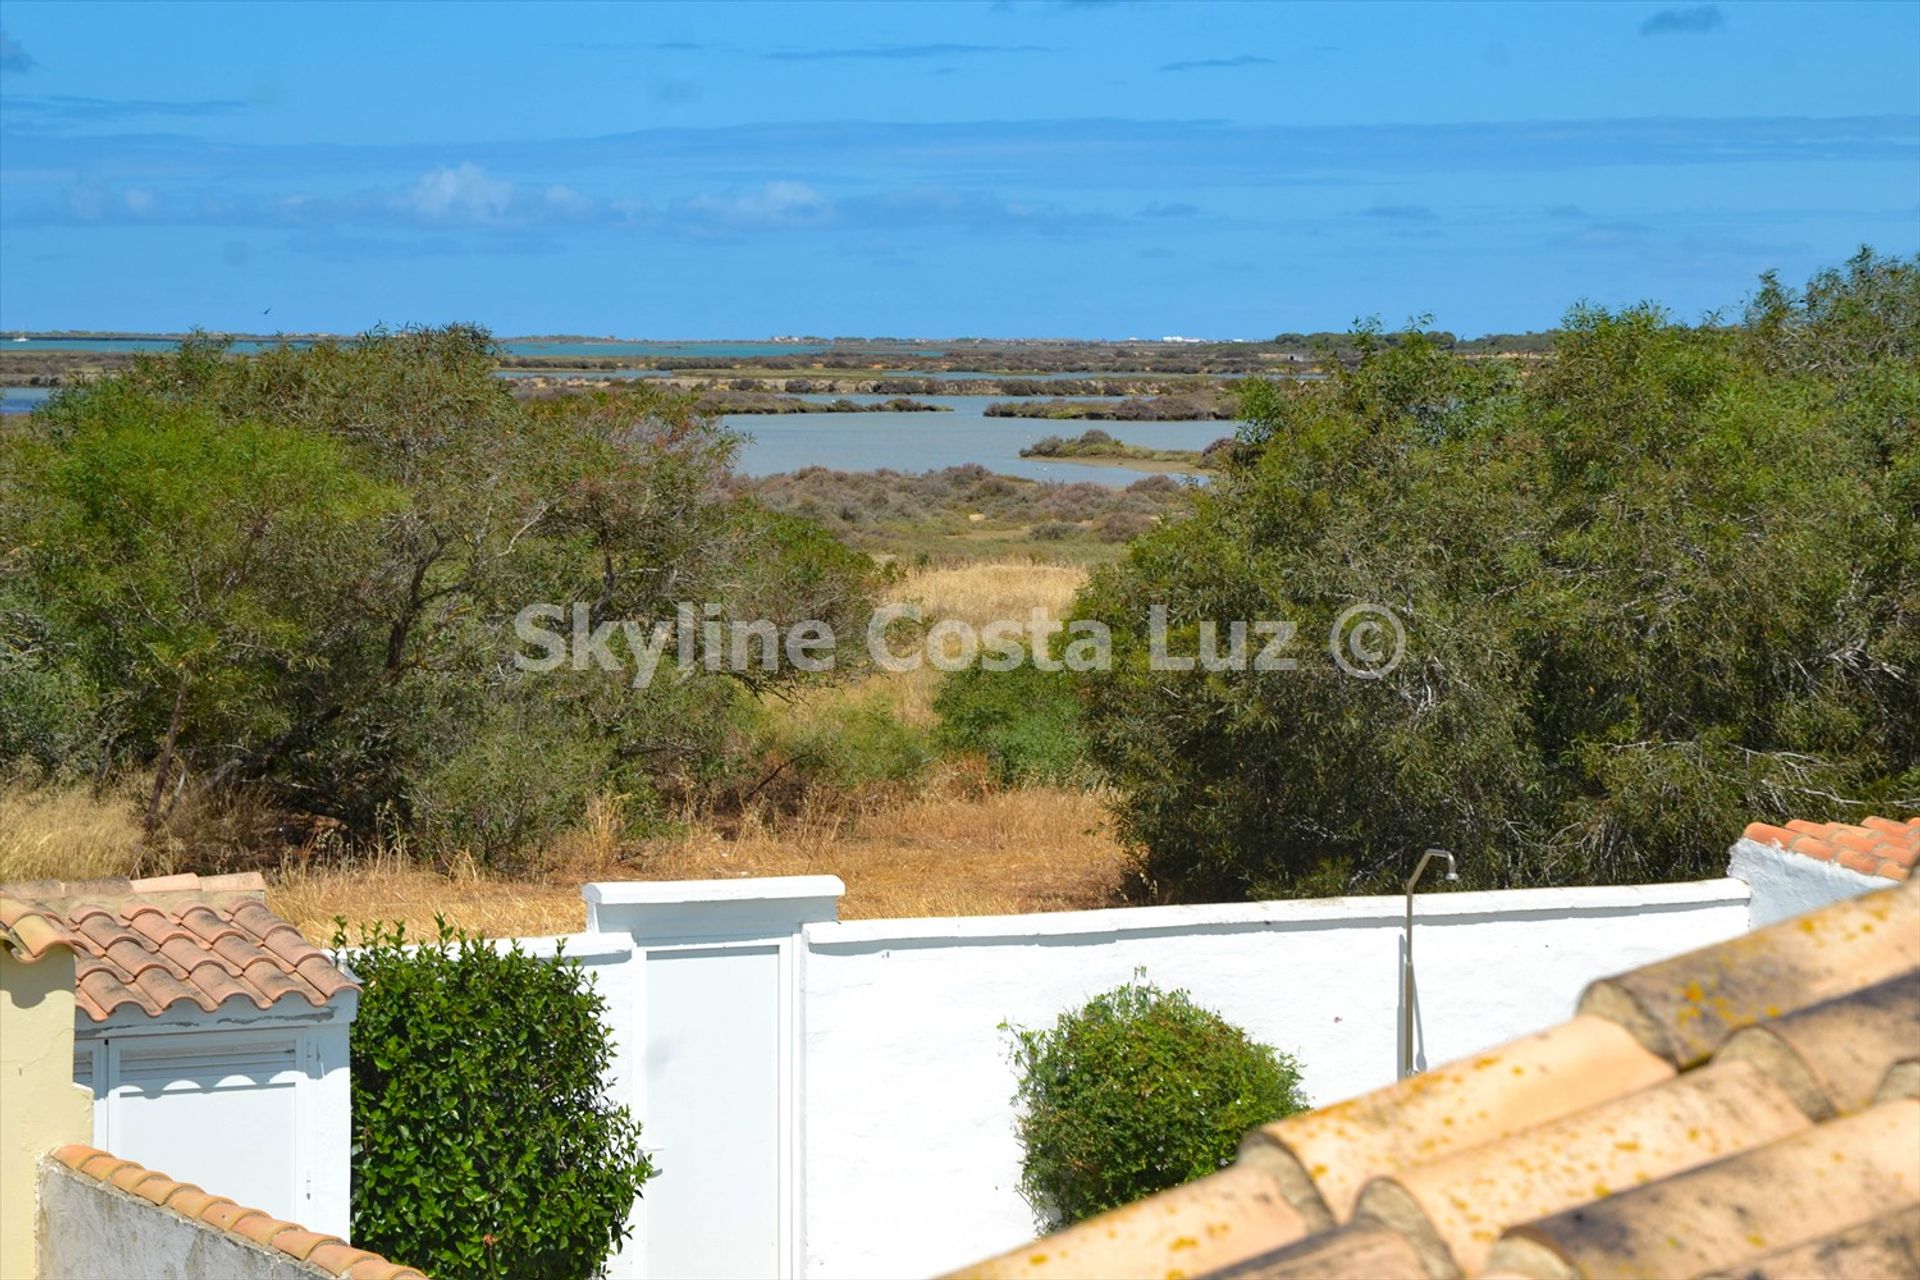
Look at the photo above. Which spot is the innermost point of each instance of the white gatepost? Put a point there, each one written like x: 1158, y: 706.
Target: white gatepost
x: 717, y: 1017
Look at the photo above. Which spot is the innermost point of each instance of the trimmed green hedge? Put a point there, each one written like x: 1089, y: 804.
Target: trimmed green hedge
x: 484, y: 1145
x: 1138, y: 1091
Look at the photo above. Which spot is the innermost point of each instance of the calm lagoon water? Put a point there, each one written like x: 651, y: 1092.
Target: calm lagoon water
x: 899, y: 441
x: 583, y: 374
x: 23, y: 399
x: 929, y: 441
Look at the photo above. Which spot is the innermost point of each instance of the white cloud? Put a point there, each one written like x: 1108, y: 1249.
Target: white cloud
x: 465, y: 193
x: 782, y: 203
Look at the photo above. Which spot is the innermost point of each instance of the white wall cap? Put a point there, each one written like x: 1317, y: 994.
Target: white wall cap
x: 654, y: 893
x: 658, y: 911
x: 1309, y: 913
x: 587, y: 948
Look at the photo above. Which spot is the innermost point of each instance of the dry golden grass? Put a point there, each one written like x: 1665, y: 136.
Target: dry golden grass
x: 390, y: 887
x: 976, y: 593
x: 956, y: 847
x: 955, y: 851
x: 941, y: 854
x: 992, y: 589
x: 67, y: 833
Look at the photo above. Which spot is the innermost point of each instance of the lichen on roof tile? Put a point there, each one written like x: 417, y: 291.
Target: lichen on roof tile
x: 1368, y: 1251
x: 1234, y: 1214
x: 1454, y: 1209
x: 1721, y: 1215
x: 1834, y: 1057
x: 1330, y: 1153
x: 1685, y: 1008
x: 1888, y: 1245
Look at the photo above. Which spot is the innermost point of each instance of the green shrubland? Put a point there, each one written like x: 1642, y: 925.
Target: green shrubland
x: 298, y: 573
x: 1658, y: 583
x: 1025, y: 721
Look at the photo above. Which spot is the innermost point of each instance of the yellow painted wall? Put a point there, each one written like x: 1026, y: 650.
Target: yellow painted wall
x: 40, y: 1106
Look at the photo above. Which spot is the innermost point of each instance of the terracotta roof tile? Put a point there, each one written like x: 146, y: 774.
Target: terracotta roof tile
x: 1833, y: 1058
x: 1886, y: 847
x: 153, y: 944
x: 1883, y: 1246
x: 379, y: 1269
x: 301, y: 1243
x: 1329, y: 1154
x: 223, y: 1215
x: 1830, y: 1177
x: 1685, y: 1008
x: 1347, y: 1251
x: 1454, y: 1209
x: 334, y: 1258
x: 1750, y: 1109
x: 326, y: 1254
x: 260, y: 1227
x: 1232, y: 1215
x: 192, y: 1202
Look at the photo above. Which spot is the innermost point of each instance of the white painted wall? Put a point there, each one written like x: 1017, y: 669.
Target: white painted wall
x: 834, y: 1099
x: 1786, y: 884
x: 911, y: 1160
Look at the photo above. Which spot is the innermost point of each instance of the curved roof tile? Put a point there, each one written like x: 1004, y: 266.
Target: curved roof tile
x: 1884, y: 847
x: 159, y: 942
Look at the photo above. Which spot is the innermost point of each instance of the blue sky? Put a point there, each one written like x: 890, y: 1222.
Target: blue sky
x: 994, y: 169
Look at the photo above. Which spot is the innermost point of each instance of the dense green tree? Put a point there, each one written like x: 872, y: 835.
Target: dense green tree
x: 301, y: 571
x: 1653, y: 586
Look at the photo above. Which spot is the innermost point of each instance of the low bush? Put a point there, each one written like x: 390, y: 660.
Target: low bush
x: 1124, y: 526
x: 847, y: 743
x: 1026, y: 722
x: 1137, y: 1091
x: 484, y: 1144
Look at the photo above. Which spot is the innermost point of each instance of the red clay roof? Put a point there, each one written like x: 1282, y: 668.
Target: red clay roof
x: 329, y: 1255
x: 1883, y: 847
x: 1748, y: 1109
x: 154, y: 943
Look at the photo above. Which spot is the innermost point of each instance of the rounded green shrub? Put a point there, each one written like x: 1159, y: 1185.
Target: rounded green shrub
x: 1137, y: 1091
x: 483, y: 1141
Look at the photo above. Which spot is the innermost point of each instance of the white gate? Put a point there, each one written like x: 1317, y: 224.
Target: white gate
x: 716, y: 1018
